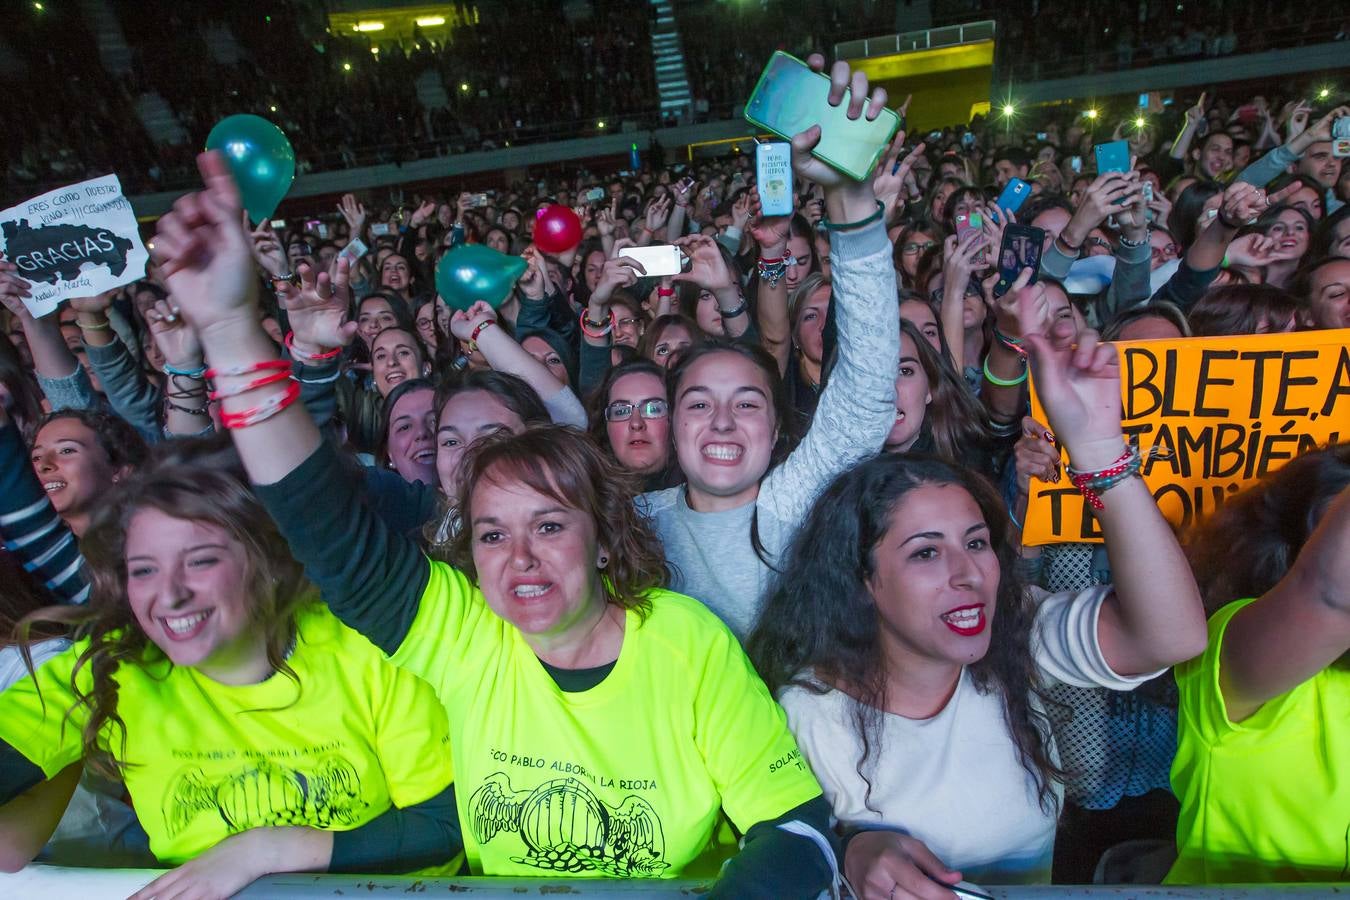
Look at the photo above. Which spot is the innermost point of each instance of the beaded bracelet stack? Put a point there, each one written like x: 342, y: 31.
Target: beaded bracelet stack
x: 1012, y: 343
x: 280, y: 371
x: 771, y: 271
x: 188, y: 387
x: 595, y: 330
x: 289, y: 342
x: 1094, y: 484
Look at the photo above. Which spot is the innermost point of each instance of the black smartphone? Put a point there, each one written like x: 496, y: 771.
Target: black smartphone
x: 1021, y: 249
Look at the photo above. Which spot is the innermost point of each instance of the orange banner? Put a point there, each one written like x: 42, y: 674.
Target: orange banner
x: 1210, y: 416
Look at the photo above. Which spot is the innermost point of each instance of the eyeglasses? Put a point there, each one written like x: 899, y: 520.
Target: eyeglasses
x: 972, y: 290
x: 648, y: 409
x: 1099, y: 242
x: 911, y: 249
x: 627, y: 322
x: 1166, y: 251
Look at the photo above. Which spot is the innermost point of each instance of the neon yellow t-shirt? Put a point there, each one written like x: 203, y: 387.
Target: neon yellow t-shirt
x: 208, y: 760
x: 1266, y: 799
x: 625, y: 779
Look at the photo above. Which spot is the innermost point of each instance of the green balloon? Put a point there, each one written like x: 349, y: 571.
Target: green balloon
x: 473, y: 272
x: 261, y: 160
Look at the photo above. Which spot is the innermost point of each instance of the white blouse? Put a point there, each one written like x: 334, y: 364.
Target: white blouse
x: 955, y: 780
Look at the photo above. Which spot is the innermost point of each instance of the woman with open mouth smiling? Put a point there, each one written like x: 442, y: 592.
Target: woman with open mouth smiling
x: 254, y: 731
x: 724, y: 528
x: 910, y: 657
x: 597, y: 719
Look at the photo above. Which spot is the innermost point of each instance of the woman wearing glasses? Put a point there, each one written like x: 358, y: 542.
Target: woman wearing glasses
x: 910, y: 245
x: 630, y: 420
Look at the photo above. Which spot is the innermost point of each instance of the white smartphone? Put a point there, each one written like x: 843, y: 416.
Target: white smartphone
x: 773, y: 177
x: 353, y: 251
x: 380, y: 229
x: 659, y: 259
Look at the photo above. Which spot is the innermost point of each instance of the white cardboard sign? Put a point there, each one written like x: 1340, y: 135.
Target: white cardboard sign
x: 75, y: 241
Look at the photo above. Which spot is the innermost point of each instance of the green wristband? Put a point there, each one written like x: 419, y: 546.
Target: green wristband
x: 840, y: 226
x: 1002, y: 382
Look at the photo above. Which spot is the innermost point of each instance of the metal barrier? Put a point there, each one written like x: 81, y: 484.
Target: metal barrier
x: 116, y: 884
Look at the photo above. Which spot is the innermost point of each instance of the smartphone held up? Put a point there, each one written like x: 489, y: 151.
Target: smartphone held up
x: 1021, y: 249
x: 791, y: 98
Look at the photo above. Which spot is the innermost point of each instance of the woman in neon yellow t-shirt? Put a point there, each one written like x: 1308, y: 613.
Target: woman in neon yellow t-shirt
x: 601, y: 726
x: 1263, y: 745
x: 255, y: 732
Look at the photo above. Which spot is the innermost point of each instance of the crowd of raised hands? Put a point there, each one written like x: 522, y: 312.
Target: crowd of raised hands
x: 738, y: 543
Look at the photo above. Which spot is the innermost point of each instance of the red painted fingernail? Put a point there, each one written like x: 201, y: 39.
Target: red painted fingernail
x: 1050, y: 437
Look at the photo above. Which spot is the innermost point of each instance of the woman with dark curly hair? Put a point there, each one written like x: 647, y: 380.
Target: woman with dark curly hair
x: 1263, y: 748
x: 909, y: 656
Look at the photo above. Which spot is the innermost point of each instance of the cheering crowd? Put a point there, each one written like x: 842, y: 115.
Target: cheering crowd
x: 714, y: 575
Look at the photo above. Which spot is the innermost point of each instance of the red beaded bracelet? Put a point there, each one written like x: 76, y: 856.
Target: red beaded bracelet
x: 1083, y: 480
x: 263, y: 411
x: 278, y: 365
x: 596, y: 333
x: 289, y: 343
x: 274, y: 378
x: 478, y: 329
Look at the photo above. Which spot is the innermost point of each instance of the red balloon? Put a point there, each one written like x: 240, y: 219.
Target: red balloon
x: 557, y: 229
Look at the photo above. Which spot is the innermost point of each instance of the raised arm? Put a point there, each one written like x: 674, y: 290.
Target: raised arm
x: 1273, y: 164
x: 857, y: 407
x: 185, y: 397
x: 1154, y: 618
x: 708, y: 269
x: 1242, y: 202
x: 620, y: 271
x: 58, y: 371
x: 370, y: 577
x: 1194, y: 117
x: 479, y: 325
x: 957, y: 265
x: 771, y: 298
x: 1298, y: 628
x: 130, y: 394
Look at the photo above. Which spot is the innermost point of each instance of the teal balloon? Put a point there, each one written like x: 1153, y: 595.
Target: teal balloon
x: 473, y: 272
x: 261, y: 160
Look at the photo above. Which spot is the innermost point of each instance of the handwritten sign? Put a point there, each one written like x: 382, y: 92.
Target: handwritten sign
x: 75, y: 241
x: 1211, y: 416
